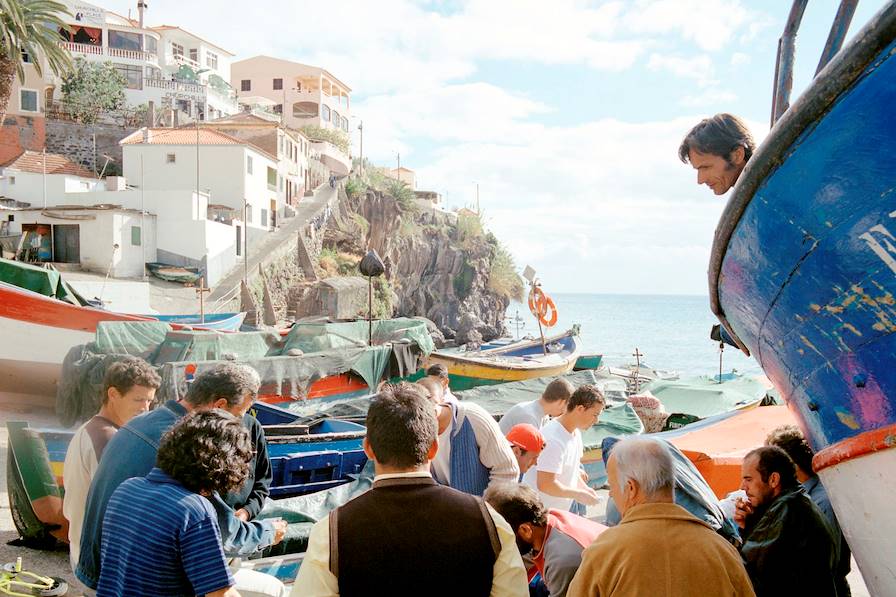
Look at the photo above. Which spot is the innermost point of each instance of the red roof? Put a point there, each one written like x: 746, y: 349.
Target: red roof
x: 187, y: 136
x: 33, y: 161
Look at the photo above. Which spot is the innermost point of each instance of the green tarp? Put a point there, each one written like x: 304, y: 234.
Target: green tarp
x: 704, y: 396
x: 316, y: 336
x: 47, y: 282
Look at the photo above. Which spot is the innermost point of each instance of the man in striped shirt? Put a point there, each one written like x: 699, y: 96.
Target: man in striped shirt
x: 160, y: 532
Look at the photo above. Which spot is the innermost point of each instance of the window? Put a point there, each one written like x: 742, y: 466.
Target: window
x: 272, y: 179
x: 249, y: 166
x: 177, y: 49
x: 211, y: 60
x: 26, y: 57
x: 345, y: 124
x: 133, y: 75
x: 278, y: 84
x: 27, y: 100
x: 194, y: 55
x: 170, y: 158
x: 336, y: 118
x: 124, y: 40
x: 135, y: 236
x: 325, y: 113
x: 152, y: 46
x: 278, y: 109
x: 264, y: 217
x: 246, y: 85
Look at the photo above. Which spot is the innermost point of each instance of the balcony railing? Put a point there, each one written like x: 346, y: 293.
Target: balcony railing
x: 174, y: 86
x: 92, y: 50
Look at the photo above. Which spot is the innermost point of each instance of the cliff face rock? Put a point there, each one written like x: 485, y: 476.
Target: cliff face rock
x: 433, y: 268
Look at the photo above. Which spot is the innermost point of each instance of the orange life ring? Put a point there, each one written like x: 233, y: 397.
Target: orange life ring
x: 536, y: 301
x: 545, y: 320
x: 541, y: 305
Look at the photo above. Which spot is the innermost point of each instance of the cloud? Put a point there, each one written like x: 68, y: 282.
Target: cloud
x: 740, y: 59
x: 710, y: 24
x: 719, y: 98
x: 698, y: 68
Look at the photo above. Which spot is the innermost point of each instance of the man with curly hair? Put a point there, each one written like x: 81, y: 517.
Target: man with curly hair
x: 161, y: 534
x: 129, y: 387
x: 132, y: 453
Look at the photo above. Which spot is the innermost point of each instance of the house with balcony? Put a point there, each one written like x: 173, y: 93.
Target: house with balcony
x: 292, y: 148
x: 240, y: 179
x: 156, y: 62
x: 302, y: 95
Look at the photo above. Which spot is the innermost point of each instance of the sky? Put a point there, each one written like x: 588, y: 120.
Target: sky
x: 568, y: 114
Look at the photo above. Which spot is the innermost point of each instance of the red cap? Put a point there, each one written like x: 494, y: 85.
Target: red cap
x: 527, y: 437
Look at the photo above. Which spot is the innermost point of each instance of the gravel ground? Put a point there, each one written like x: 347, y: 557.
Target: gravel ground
x: 55, y: 563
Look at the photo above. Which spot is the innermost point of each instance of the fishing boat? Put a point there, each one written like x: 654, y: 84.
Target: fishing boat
x: 516, y: 362
x: 803, y: 275
x: 588, y: 362
x: 174, y: 273
x: 223, y: 322
x: 306, y: 456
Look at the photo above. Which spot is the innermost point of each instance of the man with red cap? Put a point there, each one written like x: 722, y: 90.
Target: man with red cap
x: 526, y: 442
x: 555, y: 539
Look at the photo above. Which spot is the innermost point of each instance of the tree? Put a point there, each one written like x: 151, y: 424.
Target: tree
x: 90, y: 89
x: 29, y: 27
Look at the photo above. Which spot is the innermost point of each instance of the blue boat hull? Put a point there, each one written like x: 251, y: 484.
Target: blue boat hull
x: 803, y: 274
x: 225, y: 322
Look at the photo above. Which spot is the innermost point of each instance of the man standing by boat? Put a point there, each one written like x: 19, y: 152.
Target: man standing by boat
x: 659, y: 548
x: 718, y: 148
x: 408, y: 535
x: 129, y: 387
x: 790, y: 439
x: 788, y: 547
x: 473, y: 454
x: 132, y: 453
x: 538, y: 412
x: 558, y: 474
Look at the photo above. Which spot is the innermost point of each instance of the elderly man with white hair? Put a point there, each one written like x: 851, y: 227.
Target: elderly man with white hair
x: 659, y: 548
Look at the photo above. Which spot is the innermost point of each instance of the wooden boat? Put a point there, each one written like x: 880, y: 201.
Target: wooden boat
x: 803, y: 276
x: 515, y: 362
x: 588, y: 362
x: 174, y: 273
x: 224, y: 322
x: 306, y: 456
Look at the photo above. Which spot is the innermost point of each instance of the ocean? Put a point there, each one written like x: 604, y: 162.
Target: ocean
x: 671, y: 332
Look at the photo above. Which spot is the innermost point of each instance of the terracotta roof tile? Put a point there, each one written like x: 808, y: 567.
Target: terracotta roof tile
x: 33, y: 161
x: 187, y: 136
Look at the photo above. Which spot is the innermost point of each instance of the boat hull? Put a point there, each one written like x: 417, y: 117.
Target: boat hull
x: 803, y: 275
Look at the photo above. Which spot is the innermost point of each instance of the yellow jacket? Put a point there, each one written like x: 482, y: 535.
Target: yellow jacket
x: 660, y: 550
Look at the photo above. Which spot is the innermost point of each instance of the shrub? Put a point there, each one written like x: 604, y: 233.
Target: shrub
x: 502, y: 277
x: 361, y: 222
x: 355, y: 187
x: 469, y: 229
x: 402, y: 193
x: 91, y: 89
x: 338, y: 138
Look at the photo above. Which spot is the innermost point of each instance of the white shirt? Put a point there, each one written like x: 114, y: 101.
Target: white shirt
x: 525, y: 412
x: 442, y: 461
x: 562, y: 455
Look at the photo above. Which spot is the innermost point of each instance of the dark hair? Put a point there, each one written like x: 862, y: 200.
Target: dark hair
x: 587, y: 396
x: 438, y: 370
x: 401, y: 426
x: 127, y: 373
x: 557, y: 390
x: 206, y: 451
x: 231, y: 381
x: 517, y: 503
x: 719, y: 135
x: 790, y: 439
x: 772, y: 459
x: 432, y: 388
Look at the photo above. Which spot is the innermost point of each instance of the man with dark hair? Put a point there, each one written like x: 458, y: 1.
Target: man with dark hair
x: 538, y: 412
x: 161, y: 534
x: 788, y: 546
x: 718, y: 148
x: 558, y: 474
x: 132, y: 452
x: 409, y: 535
x: 556, y: 537
x: 526, y: 443
x: 129, y: 387
x: 439, y: 372
x: 790, y: 439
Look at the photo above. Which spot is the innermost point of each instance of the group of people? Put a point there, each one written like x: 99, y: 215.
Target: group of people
x: 166, y: 501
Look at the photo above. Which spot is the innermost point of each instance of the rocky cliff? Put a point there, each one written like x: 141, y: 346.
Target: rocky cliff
x: 438, y: 265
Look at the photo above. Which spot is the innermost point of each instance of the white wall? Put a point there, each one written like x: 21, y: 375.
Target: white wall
x: 29, y: 187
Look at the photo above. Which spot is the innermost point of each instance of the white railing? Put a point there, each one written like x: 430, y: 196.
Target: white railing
x: 132, y: 54
x: 91, y: 50
x: 81, y: 48
x: 174, y: 86
x: 181, y: 59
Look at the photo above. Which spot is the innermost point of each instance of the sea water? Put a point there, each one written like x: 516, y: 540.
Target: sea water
x: 671, y: 332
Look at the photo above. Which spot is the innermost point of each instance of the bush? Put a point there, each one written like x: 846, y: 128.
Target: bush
x: 402, y: 193
x: 337, y: 138
x: 91, y: 89
x: 334, y: 263
x: 361, y: 222
x: 354, y: 187
x: 502, y: 277
x: 469, y: 229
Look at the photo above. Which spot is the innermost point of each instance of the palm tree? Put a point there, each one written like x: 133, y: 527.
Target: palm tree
x: 29, y: 27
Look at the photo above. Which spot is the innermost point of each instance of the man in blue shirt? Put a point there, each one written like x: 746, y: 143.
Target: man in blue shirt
x: 132, y: 453
x: 161, y: 534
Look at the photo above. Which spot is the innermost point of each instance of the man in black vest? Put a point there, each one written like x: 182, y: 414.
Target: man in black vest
x: 409, y: 535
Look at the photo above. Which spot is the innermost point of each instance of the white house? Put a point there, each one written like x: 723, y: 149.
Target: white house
x: 233, y: 173
x: 44, y: 179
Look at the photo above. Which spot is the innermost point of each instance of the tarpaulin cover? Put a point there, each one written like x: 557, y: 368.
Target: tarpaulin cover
x: 315, y: 336
x: 704, y: 396
x: 619, y: 419
x: 43, y: 281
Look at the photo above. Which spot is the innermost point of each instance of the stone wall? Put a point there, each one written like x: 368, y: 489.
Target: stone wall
x: 76, y: 141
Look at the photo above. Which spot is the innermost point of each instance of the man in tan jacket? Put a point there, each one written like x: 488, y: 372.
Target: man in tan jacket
x: 658, y: 549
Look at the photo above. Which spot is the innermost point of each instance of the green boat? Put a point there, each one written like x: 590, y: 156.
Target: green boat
x: 588, y: 362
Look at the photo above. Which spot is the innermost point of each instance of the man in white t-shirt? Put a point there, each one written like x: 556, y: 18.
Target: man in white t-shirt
x: 538, y: 412
x: 558, y: 474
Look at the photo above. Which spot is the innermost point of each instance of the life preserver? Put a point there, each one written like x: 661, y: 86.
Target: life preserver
x: 542, y: 307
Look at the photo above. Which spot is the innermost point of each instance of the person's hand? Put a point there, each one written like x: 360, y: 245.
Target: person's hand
x: 742, y: 509
x: 583, y: 476
x: 279, y: 530
x: 242, y: 514
x: 588, y: 497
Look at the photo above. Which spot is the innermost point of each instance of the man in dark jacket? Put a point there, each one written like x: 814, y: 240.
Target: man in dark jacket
x: 788, y: 546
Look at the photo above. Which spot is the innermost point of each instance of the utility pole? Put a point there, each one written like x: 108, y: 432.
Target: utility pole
x: 45, y: 175
x: 197, y: 163
x: 143, y: 219
x: 245, y: 242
